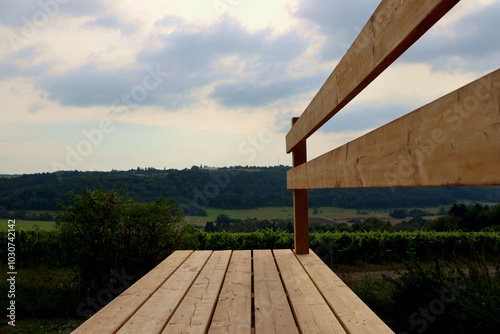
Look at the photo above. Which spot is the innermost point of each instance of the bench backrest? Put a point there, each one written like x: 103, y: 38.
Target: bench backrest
x: 454, y: 140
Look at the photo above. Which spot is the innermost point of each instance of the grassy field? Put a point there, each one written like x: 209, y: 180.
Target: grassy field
x: 269, y: 213
x: 335, y: 213
x: 22, y: 224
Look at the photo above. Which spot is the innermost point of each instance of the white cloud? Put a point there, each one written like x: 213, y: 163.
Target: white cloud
x: 413, y: 84
x: 229, y: 75
x: 234, y: 65
x: 19, y: 96
x: 320, y: 142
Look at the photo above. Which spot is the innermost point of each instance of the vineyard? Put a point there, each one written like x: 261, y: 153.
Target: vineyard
x: 38, y: 246
x: 48, y: 287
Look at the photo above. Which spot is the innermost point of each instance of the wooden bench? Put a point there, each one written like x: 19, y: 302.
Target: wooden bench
x: 259, y: 291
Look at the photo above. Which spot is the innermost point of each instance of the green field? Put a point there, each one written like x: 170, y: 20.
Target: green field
x: 283, y: 212
x: 22, y: 224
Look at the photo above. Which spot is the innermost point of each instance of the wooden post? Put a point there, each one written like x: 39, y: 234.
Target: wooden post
x: 300, y: 205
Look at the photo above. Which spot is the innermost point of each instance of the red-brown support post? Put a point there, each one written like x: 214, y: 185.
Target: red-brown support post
x: 300, y: 205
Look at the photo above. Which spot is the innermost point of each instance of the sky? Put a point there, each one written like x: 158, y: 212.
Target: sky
x: 120, y: 84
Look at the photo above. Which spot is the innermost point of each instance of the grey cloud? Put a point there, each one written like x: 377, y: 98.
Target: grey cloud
x: 14, y: 13
x: 253, y: 93
x: 88, y: 86
x: 475, y: 45
x: 34, y: 108
x: 9, y: 70
x: 28, y: 53
x: 112, y: 22
x: 189, y: 57
x: 339, y: 21
x: 365, y: 117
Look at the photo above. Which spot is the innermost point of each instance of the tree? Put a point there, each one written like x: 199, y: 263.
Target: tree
x: 399, y: 213
x: 210, y: 227
x: 103, y: 231
x: 470, y: 221
x: 90, y: 230
x: 458, y: 210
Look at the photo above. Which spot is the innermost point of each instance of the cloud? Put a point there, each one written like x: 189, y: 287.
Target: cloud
x: 112, y: 22
x: 471, y: 43
x: 465, y: 39
x: 321, y: 142
x: 250, y: 92
x: 34, y: 108
x: 184, y: 84
x: 339, y: 21
x: 17, y: 13
x: 191, y: 58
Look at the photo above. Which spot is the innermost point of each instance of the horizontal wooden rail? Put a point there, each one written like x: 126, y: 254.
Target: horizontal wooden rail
x: 393, y: 28
x: 454, y: 140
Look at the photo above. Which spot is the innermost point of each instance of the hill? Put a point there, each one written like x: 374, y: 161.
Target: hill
x: 227, y: 188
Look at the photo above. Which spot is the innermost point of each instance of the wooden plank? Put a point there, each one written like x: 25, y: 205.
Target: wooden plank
x: 272, y: 311
x: 352, y: 312
x: 393, y: 28
x: 300, y: 202
x: 110, y: 318
x: 453, y: 141
x: 312, y: 313
x: 233, y: 313
x: 154, y: 314
x: 195, y: 311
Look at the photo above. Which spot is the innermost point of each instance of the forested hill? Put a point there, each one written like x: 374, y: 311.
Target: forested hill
x: 231, y: 188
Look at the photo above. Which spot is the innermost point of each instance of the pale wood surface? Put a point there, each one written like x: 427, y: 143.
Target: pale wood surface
x: 110, y: 318
x: 453, y: 141
x: 154, y: 314
x: 272, y: 311
x: 393, y: 28
x: 352, y: 312
x: 195, y: 312
x: 233, y: 313
x: 312, y: 313
x: 288, y: 294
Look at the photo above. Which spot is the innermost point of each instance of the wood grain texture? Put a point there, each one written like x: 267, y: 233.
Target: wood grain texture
x: 233, y: 313
x: 272, y: 311
x: 312, y: 313
x: 352, y: 312
x: 110, y: 318
x: 453, y: 141
x: 154, y: 314
x: 196, y: 309
x: 392, y: 29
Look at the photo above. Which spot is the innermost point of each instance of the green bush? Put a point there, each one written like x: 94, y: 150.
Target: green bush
x: 102, y: 231
x: 439, y: 299
x: 43, y: 291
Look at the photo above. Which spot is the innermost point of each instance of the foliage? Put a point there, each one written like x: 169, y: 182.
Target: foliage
x: 195, y: 189
x: 402, y: 213
x: 334, y: 247
x: 444, y: 298
x: 102, y: 231
x: 34, y: 247
x: 475, y: 218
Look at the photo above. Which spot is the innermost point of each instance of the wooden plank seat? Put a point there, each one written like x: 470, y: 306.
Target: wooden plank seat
x: 259, y: 291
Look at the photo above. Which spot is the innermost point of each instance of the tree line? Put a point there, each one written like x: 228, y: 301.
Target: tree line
x: 240, y: 187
